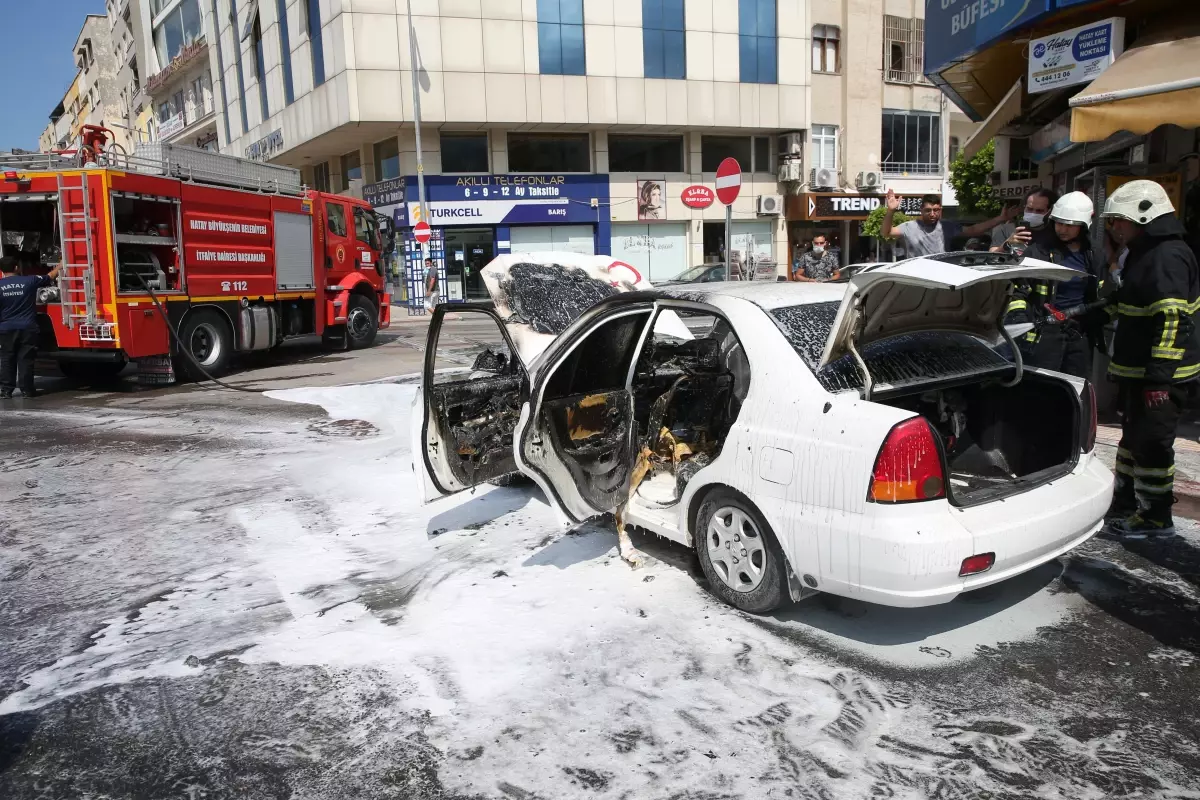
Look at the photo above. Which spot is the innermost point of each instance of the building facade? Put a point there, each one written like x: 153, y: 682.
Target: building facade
x: 173, y: 43
x: 579, y: 124
x: 133, y: 105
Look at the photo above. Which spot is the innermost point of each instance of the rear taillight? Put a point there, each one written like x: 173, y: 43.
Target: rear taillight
x: 977, y: 564
x: 909, y: 466
x: 1089, y: 424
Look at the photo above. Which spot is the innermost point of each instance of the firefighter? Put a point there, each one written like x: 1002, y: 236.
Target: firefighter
x: 1066, y: 346
x: 18, y: 326
x: 1155, y: 354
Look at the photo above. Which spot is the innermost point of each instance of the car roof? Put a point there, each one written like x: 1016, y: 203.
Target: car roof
x: 765, y: 294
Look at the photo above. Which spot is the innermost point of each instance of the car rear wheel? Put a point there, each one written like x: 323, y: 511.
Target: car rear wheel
x: 739, y: 554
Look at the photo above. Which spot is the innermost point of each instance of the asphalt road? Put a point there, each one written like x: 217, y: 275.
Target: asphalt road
x: 207, y: 593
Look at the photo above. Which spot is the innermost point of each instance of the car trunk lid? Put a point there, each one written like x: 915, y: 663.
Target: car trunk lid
x: 538, y: 295
x: 957, y: 292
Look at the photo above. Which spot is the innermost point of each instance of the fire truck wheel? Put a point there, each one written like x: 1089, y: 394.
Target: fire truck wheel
x: 362, y: 322
x: 207, y: 336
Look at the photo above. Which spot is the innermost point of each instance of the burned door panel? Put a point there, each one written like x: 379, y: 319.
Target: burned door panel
x: 581, y: 430
x: 472, y: 394
x: 591, y: 434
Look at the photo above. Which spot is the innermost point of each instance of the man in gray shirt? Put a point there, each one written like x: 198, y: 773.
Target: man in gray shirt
x: 929, y: 234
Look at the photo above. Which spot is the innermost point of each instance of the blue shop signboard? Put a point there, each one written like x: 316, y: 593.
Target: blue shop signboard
x: 957, y: 28
x: 519, y: 199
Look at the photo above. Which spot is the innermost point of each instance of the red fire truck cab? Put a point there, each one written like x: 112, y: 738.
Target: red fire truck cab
x: 231, y: 254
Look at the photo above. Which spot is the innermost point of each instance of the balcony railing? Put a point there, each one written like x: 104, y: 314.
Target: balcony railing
x: 910, y: 168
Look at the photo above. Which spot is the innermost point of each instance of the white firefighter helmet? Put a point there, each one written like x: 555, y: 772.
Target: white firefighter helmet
x: 1074, y: 208
x: 1138, y: 201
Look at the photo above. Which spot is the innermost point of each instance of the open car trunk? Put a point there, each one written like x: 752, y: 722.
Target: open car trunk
x: 998, y: 441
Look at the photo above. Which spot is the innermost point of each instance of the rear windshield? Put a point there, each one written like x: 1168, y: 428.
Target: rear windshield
x: 903, y: 360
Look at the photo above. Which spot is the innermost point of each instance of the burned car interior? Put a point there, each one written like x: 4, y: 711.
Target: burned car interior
x: 653, y: 436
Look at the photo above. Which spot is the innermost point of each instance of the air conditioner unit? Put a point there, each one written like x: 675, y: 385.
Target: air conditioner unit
x: 770, y: 205
x: 823, y: 178
x: 791, y: 171
x: 869, y: 181
x: 791, y: 144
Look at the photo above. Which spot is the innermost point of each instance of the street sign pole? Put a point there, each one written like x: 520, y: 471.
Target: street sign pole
x: 416, y: 85
x: 729, y: 186
x: 728, y: 243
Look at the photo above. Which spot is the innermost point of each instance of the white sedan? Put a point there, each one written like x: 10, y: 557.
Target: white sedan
x: 866, y: 439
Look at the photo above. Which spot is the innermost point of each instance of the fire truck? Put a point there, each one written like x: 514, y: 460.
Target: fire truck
x: 177, y: 259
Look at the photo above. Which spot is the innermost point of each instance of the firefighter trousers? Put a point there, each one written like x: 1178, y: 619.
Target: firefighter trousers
x: 1063, y: 348
x: 18, y: 352
x: 1145, y: 479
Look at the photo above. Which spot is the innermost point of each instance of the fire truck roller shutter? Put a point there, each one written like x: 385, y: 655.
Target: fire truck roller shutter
x: 293, y: 252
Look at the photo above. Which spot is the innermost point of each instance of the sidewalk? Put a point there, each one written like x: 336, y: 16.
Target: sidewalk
x: 1187, y: 465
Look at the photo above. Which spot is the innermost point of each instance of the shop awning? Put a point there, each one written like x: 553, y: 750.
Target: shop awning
x: 1157, y: 84
x: 1005, y: 112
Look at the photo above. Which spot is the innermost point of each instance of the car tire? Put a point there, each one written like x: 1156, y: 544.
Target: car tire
x: 723, y: 522
x: 362, y: 322
x: 91, y: 373
x: 209, y: 340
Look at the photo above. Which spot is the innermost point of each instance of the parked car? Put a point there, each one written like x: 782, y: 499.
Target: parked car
x: 865, y: 439
x: 705, y: 273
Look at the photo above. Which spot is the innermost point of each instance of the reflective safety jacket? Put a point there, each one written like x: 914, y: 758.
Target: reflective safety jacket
x: 1157, y: 340
x: 1032, y: 297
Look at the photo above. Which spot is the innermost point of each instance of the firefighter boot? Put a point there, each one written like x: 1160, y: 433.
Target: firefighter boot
x: 1124, y: 501
x: 1152, y: 521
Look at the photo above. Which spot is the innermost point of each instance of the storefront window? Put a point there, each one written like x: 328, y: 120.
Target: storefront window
x: 645, y: 153
x: 536, y: 152
x: 387, y: 159
x: 464, y: 152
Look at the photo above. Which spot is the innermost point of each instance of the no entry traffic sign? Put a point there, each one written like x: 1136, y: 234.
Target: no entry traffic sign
x: 421, y: 232
x: 729, y: 181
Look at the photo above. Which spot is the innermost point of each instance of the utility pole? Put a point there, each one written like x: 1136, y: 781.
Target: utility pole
x: 416, y: 86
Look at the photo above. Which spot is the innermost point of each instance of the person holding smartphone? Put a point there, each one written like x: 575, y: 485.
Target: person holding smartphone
x: 1014, y: 237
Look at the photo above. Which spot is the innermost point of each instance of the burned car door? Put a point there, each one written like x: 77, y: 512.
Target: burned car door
x: 470, y: 400
x: 579, y: 438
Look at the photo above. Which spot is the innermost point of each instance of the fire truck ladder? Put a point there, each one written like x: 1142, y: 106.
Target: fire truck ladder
x: 77, y: 279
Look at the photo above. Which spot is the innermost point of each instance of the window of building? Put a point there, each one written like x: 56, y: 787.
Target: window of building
x: 464, y: 152
x: 321, y: 176
x: 202, y: 95
x: 753, y: 153
x: 955, y: 148
x: 312, y: 16
x: 553, y: 152
x: 337, y: 218
x: 762, y: 154
x: 560, y: 37
x: 756, y: 41
x: 903, y: 49
x: 387, y: 159
x: 657, y: 154
x: 664, y: 54
x: 1020, y: 165
x: 181, y: 27
x: 285, y: 47
x: 260, y: 65
x: 824, y: 146
x: 351, y: 168
x: 826, y: 48
x: 241, y: 78
x: 912, y: 143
